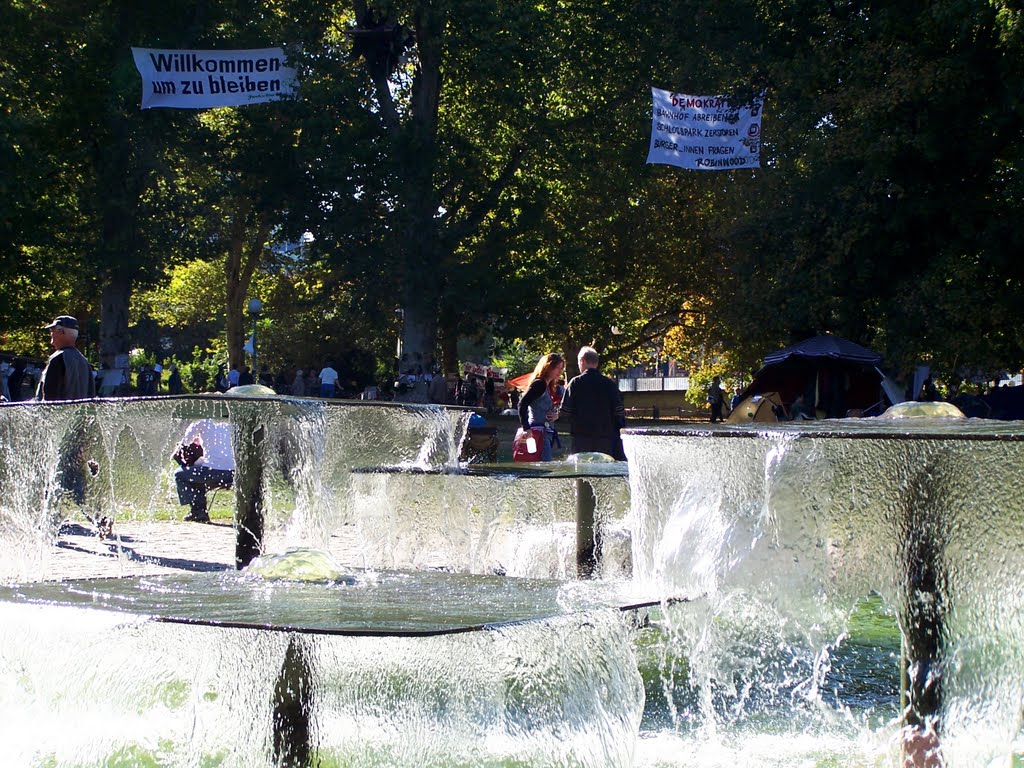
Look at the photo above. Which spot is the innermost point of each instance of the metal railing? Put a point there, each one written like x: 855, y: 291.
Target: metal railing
x: 654, y: 384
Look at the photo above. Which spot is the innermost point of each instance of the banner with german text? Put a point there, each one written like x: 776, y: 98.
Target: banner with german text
x: 206, y: 79
x: 705, y: 133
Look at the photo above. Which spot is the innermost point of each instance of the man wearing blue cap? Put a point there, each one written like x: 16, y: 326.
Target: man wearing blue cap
x: 68, y: 375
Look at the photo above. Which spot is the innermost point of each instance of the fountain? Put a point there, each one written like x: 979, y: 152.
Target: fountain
x: 792, y: 535
x: 831, y: 593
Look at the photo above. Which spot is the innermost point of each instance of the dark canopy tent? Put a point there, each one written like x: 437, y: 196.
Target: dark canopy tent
x: 825, y: 347
x: 834, y: 375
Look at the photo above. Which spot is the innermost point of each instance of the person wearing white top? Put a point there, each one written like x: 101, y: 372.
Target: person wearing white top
x: 328, y: 380
x: 207, y: 461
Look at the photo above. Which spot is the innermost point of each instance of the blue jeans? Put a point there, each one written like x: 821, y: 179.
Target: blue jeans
x: 545, y: 450
x: 193, y: 483
x: 326, y: 390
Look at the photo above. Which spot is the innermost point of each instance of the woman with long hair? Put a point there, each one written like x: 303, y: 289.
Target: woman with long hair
x: 536, y: 408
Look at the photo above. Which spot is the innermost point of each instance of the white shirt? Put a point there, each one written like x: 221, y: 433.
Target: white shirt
x: 328, y: 376
x: 215, y: 437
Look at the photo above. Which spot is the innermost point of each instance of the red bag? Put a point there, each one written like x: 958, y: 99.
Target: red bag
x: 522, y: 444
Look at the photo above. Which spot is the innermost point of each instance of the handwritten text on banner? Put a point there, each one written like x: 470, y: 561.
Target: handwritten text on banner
x: 704, y: 133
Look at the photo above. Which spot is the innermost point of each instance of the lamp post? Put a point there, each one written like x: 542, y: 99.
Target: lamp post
x: 255, y: 307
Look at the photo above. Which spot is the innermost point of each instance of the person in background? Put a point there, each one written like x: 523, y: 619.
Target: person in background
x: 737, y: 398
x: 557, y: 392
x: 17, y: 380
x: 206, y: 461
x: 437, y: 390
x: 234, y: 377
x: 716, y: 399
x: 536, y: 408
x: 142, y: 380
x: 929, y: 393
x: 490, y: 402
x: 245, y: 376
x: 174, y: 381
x: 265, y: 377
x: 299, y: 384
x: 67, y: 375
x: 594, y: 406
x: 328, y: 380
x: 33, y: 374
x: 469, y: 395
x: 221, y: 382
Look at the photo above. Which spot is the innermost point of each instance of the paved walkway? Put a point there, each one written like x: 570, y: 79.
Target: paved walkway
x: 142, y: 549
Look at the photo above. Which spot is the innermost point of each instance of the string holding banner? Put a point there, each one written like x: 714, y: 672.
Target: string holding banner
x: 704, y: 133
x: 207, y: 79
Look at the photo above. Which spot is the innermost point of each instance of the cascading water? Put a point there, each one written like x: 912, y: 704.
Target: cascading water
x: 396, y: 670
x: 372, y: 669
x: 799, y: 570
x: 305, y: 462
x: 485, y: 522
x: 809, y: 553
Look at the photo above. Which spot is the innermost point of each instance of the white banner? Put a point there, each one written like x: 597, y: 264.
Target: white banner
x: 205, y: 79
x: 704, y: 133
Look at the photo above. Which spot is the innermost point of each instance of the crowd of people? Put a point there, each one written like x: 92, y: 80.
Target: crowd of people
x: 19, y: 378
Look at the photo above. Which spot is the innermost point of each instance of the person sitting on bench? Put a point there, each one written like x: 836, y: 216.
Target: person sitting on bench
x: 207, y: 461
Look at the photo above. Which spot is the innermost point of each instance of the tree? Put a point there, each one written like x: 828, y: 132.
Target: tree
x: 893, y: 134
x: 465, y: 101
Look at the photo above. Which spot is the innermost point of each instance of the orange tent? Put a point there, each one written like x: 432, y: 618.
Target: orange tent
x: 522, y: 383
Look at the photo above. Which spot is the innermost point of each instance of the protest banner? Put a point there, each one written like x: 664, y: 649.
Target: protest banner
x: 705, y: 133
x: 205, y: 79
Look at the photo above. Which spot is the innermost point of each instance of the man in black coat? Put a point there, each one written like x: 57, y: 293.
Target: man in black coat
x: 68, y: 375
x: 593, y: 404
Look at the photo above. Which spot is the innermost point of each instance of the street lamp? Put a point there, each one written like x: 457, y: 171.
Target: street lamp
x: 255, y: 307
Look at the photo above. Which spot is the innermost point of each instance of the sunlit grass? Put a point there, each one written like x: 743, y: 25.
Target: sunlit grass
x: 220, y: 505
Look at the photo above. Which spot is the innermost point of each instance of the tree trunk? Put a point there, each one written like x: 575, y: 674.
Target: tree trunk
x: 415, y: 152
x: 570, y: 348
x: 244, y: 256
x: 235, y: 322
x: 114, y: 300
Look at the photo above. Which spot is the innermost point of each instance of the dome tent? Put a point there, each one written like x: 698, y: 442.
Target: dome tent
x: 837, y: 376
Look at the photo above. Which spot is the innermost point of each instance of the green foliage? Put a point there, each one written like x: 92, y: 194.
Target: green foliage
x: 198, y: 373
x: 518, y: 356
x: 700, y: 380
x: 882, y: 214
x: 490, y: 180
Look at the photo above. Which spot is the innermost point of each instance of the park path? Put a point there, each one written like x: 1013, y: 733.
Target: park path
x: 148, y: 548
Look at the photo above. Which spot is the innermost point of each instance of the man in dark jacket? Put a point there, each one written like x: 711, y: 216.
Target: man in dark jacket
x: 68, y: 375
x: 593, y: 404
